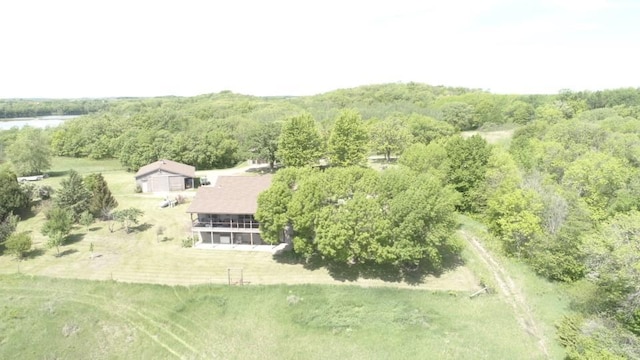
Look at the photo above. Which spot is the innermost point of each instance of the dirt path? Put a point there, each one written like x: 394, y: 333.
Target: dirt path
x: 511, y: 293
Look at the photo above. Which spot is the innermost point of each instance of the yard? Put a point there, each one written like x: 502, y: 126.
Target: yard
x: 144, y: 256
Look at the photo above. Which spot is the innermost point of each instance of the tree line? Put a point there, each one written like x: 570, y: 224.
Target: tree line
x: 219, y: 130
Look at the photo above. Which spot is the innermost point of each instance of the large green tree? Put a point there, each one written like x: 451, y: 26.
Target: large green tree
x: 468, y: 160
x: 613, y: 260
x: 263, y: 141
x: 461, y: 115
x: 425, y: 129
x: 349, y: 140
x: 597, y: 178
x: 518, y: 112
x: 300, y: 143
x: 73, y: 195
x: 30, y: 153
x: 389, y: 137
x: 356, y: 215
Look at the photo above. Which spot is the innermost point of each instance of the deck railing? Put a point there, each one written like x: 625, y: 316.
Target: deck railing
x: 229, y: 224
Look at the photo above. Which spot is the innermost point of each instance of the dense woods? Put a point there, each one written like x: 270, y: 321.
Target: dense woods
x: 563, y: 195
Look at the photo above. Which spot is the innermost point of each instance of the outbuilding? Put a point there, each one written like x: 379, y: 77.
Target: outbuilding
x: 165, y: 175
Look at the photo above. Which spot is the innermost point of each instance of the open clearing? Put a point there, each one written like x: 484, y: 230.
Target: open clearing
x: 47, y: 318
x: 492, y: 137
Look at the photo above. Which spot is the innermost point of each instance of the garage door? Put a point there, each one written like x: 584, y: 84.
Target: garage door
x: 159, y: 183
x: 176, y: 183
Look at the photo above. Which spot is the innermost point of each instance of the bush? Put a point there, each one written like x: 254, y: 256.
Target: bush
x: 137, y: 189
x: 19, y: 244
x: 189, y: 241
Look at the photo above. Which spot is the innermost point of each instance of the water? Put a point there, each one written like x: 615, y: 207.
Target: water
x: 37, y: 122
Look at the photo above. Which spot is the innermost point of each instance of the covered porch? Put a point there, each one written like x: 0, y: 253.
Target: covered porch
x: 213, y: 236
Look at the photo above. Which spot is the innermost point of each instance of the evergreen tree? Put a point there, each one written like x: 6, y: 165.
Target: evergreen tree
x: 102, y: 201
x: 73, y: 195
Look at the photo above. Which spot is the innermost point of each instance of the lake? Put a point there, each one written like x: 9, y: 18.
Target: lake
x: 37, y: 122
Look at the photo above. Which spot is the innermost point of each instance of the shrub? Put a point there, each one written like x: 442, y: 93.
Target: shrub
x: 189, y: 241
x: 19, y: 244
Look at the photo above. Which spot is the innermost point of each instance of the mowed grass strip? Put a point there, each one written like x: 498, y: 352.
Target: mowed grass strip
x: 144, y: 256
x: 63, y: 318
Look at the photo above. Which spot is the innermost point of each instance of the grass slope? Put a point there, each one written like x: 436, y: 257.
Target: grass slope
x: 61, y: 318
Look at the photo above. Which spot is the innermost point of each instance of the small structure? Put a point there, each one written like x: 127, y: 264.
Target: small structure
x: 223, y: 214
x: 165, y: 175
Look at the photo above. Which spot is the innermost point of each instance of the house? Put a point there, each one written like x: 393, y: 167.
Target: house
x: 224, y: 213
x: 165, y: 175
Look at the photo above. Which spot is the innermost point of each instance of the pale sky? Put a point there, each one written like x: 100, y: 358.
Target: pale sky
x: 97, y: 48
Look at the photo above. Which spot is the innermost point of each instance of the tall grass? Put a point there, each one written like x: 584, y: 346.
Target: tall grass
x: 55, y: 318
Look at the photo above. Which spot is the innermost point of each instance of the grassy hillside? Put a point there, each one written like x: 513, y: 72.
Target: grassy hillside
x: 42, y: 318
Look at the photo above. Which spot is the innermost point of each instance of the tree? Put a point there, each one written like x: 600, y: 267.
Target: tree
x: 354, y: 231
x: 102, y: 201
x: 459, y: 114
x: 128, y: 217
x: 357, y: 215
x: 430, y: 159
x: 389, y: 136
x: 423, y: 221
x: 19, y: 244
x: 300, y: 143
x: 73, y: 195
x: 263, y: 141
x: 518, y: 112
x: 514, y: 217
x: 12, y: 196
x: 597, y: 178
x: 425, y: 129
x: 549, y: 113
x: 349, y: 140
x: 57, y: 227
x: 468, y: 160
x: 30, y: 153
x: 86, y: 219
x: 7, y: 227
x: 613, y: 262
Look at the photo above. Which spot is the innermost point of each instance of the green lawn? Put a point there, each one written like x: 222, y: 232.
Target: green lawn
x: 46, y: 318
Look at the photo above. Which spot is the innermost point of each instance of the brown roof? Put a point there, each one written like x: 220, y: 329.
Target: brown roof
x: 168, y: 166
x: 230, y: 195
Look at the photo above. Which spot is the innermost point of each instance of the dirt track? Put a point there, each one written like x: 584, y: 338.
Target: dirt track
x: 511, y: 293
